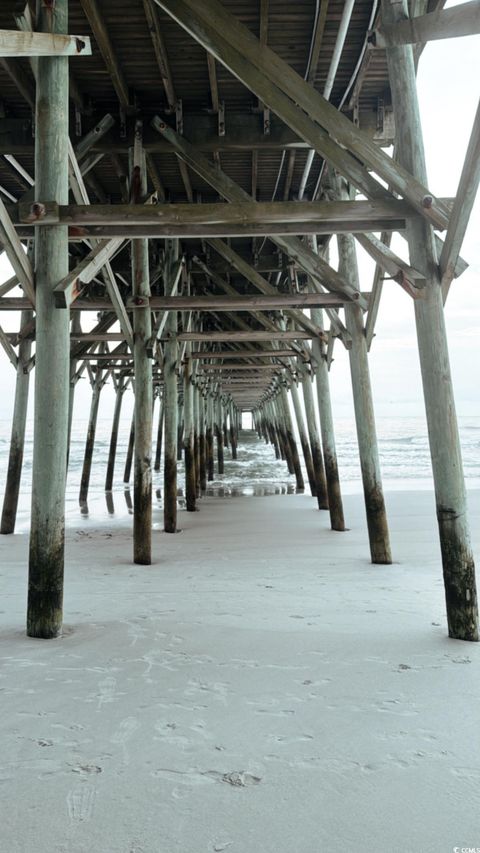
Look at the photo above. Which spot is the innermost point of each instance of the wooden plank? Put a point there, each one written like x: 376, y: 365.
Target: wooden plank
x: 462, y: 207
x: 461, y: 20
x: 17, y: 43
x: 238, y: 49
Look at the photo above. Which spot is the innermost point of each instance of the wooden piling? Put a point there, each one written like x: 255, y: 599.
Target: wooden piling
x: 450, y: 493
x: 233, y: 432
x: 90, y: 440
x: 171, y: 399
x: 129, y: 456
x: 363, y: 404
x: 202, y: 443
x: 314, y: 441
x: 47, y: 534
x: 219, y: 434
x: 291, y: 440
x: 119, y: 392
x: 17, y: 440
x: 209, y: 438
x: 143, y: 412
x: 158, y: 448
x: 327, y: 430
x: 307, y: 456
x: 189, y: 432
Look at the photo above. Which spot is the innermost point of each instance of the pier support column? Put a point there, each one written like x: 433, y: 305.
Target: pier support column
x: 97, y: 386
x: 129, y: 456
x: 233, y: 431
x: 290, y: 437
x: 52, y: 362
x: 202, y: 441
x: 189, y: 432
x: 314, y: 439
x: 171, y: 399
x: 335, y: 503
x: 209, y: 438
x: 119, y: 392
x: 17, y: 440
x: 302, y: 434
x: 158, y: 448
x: 143, y: 412
x: 218, y: 409
x: 450, y: 494
x: 363, y: 404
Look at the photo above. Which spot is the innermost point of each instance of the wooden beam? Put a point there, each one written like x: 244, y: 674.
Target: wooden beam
x: 151, y: 14
x: 102, y: 37
x: 326, y: 216
x: 15, y: 253
x: 462, y: 20
x: 253, y: 302
x: 244, y: 353
x: 462, y: 207
x: 15, y: 43
x: 253, y: 335
x: 68, y: 290
x: 238, y: 49
x: 410, y: 279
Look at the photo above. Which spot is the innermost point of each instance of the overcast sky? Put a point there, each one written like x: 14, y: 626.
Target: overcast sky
x: 448, y: 82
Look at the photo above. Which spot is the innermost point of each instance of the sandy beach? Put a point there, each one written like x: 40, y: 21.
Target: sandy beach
x: 262, y: 687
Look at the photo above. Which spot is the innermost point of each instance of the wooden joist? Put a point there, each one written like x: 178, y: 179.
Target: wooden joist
x: 102, y: 37
x: 253, y: 335
x: 14, y: 43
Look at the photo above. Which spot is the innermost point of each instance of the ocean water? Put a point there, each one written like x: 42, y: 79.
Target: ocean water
x: 403, y: 447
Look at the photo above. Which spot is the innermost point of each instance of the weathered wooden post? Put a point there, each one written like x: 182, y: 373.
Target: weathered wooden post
x: 363, y: 404
x: 196, y: 439
x: 189, y: 432
x: 129, y: 456
x: 303, y: 438
x: 47, y: 535
x: 180, y: 430
x: 75, y: 327
x: 314, y: 440
x: 219, y: 434
x: 450, y: 494
x: 112, y: 452
x: 97, y: 385
x: 335, y: 503
x: 143, y: 412
x: 170, y: 398
x: 290, y: 437
x: 233, y: 431
x: 17, y: 440
x: 203, y: 442
x: 209, y: 437
x: 158, y: 448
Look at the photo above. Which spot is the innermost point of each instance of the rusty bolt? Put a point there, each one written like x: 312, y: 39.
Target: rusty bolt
x: 427, y: 202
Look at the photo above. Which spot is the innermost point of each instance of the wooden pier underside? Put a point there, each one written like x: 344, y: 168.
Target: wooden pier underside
x: 214, y: 151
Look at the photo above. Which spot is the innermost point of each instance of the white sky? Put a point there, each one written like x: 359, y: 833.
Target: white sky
x: 448, y: 83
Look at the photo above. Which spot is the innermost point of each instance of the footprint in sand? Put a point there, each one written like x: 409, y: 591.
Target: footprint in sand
x: 107, y: 691
x: 126, y: 729
x: 81, y: 803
